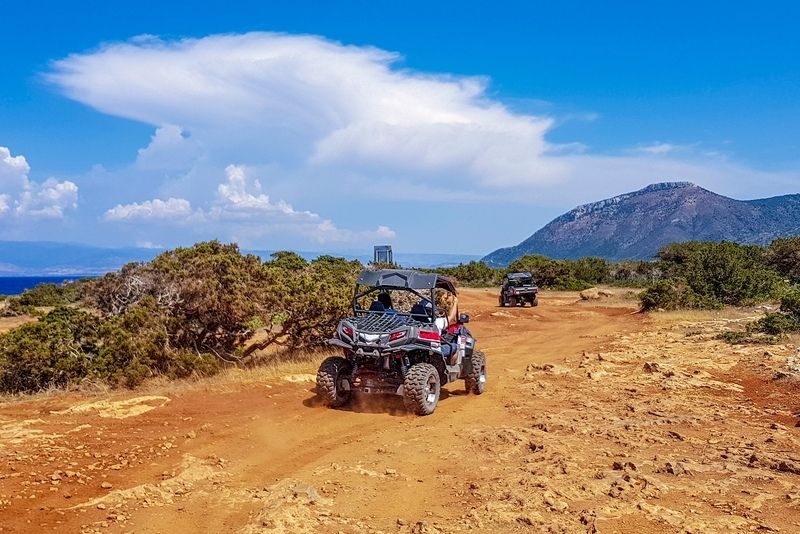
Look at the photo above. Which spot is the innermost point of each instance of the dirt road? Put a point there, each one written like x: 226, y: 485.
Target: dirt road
x: 556, y: 443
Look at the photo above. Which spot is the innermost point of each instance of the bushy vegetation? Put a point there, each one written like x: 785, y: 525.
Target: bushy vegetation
x: 774, y: 326
x: 547, y: 272
x: 710, y: 275
x: 190, y: 310
x: 684, y: 275
x: 786, y: 319
x: 51, y: 294
x: 43, y: 295
x: 783, y: 256
x: 194, y: 310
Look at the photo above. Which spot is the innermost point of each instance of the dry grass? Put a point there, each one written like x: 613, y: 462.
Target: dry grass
x: 8, y: 323
x: 270, y: 371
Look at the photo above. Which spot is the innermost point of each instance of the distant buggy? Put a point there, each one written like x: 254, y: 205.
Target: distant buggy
x: 518, y: 288
x: 405, y: 337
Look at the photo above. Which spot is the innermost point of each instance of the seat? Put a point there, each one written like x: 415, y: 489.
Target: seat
x: 377, y: 306
x: 420, y: 313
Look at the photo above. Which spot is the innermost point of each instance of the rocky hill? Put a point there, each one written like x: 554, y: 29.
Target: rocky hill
x: 636, y: 225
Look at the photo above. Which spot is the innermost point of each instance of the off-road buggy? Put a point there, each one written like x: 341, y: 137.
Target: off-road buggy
x: 405, y: 337
x: 518, y: 288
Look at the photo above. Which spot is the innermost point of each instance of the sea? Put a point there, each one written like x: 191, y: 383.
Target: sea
x: 15, y: 285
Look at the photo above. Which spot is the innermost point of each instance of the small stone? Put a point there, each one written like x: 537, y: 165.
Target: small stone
x: 101, y: 506
x: 106, y: 485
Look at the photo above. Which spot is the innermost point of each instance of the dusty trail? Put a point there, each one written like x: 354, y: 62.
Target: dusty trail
x: 230, y: 457
x: 376, y: 461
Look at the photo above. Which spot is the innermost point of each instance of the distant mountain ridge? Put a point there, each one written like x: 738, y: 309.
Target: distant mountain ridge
x: 635, y: 225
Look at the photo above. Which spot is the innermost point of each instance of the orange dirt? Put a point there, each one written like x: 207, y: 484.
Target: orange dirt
x: 571, y: 435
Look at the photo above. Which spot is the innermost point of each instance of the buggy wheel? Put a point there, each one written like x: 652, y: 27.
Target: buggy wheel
x: 476, y: 378
x: 512, y: 302
x: 421, y: 389
x: 502, y: 302
x: 333, y: 382
x: 535, y: 301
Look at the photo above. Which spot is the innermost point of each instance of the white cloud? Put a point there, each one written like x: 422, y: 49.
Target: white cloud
x: 243, y: 211
x: 241, y: 199
x: 13, y: 169
x: 170, y: 148
x: 304, y: 99
x: 49, y: 199
x: 239, y: 194
x: 322, y: 112
x: 149, y: 244
x: 172, y: 208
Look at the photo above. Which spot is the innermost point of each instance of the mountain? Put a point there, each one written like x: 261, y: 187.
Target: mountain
x: 56, y: 258
x: 37, y: 258
x: 635, y: 225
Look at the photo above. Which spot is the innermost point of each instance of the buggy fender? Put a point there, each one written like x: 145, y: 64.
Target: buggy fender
x: 338, y: 343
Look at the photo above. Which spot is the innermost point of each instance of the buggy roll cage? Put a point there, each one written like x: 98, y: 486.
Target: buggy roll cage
x: 403, y: 280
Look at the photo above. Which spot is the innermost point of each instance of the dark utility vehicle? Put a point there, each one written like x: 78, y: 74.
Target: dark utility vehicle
x: 518, y: 289
x: 405, y: 338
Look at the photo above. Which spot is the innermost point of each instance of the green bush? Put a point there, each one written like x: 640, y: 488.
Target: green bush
x: 778, y: 323
x: 556, y: 274
x: 774, y: 326
x: 790, y: 302
x: 50, y: 294
x: 784, y: 321
x: 473, y: 274
x: 54, y: 351
x: 591, y: 270
x: 704, y: 274
x: 673, y: 294
x: 69, y: 345
x: 783, y: 255
x: 14, y: 308
x: 211, y: 299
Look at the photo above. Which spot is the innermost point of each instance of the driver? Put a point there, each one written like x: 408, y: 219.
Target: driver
x: 386, y: 299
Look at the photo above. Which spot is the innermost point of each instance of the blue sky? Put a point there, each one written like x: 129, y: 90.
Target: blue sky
x: 455, y: 127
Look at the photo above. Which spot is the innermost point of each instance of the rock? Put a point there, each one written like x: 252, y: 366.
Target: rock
x: 590, y: 294
x: 651, y: 367
x: 106, y: 485
x: 675, y: 468
x: 786, y: 466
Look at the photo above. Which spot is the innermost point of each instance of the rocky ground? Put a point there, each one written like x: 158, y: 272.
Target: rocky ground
x: 597, y: 419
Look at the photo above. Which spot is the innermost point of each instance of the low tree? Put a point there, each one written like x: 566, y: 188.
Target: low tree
x: 783, y: 255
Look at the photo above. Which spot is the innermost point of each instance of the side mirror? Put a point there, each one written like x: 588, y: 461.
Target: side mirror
x: 463, y: 318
